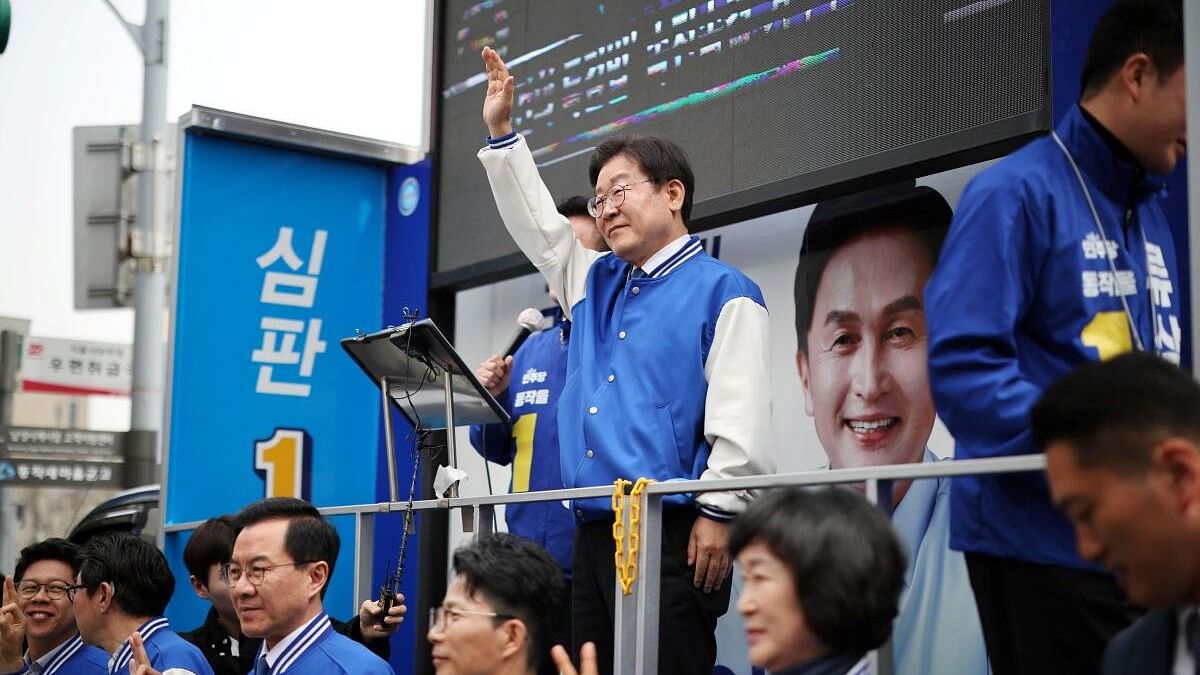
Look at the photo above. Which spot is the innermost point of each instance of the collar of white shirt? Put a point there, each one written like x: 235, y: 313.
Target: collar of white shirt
x: 655, y: 261
x: 275, y: 653
x: 1185, y: 661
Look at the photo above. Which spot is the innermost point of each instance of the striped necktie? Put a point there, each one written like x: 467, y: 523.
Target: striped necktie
x: 261, y: 667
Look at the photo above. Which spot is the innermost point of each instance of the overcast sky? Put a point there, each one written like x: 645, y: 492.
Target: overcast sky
x: 356, y: 66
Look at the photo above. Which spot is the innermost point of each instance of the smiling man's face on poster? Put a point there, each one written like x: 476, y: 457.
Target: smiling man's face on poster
x: 861, y: 324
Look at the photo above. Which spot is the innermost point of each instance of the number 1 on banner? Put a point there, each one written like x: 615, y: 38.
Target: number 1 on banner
x: 281, y: 461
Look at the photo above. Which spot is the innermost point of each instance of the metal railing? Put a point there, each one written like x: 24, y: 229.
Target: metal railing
x: 636, y: 621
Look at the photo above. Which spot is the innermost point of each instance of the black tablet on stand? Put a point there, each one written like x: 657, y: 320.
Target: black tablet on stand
x: 419, y: 372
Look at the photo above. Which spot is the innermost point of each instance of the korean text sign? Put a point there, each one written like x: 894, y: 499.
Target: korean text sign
x: 280, y: 254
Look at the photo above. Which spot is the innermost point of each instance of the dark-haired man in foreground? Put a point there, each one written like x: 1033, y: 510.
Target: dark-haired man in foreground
x: 499, y: 612
x: 1122, y: 442
x: 124, y: 586
x: 220, y: 637
x: 281, y: 565
x: 667, y: 372
x: 36, y: 610
x: 1058, y: 255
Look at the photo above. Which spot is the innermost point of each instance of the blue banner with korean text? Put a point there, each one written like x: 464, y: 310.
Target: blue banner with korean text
x: 280, y: 254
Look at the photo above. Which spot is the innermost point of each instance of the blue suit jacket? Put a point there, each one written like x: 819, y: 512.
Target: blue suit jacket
x: 1147, y: 647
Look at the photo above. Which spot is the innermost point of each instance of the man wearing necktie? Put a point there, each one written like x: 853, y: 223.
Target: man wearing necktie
x: 667, y: 374
x: 1122, y: 443
x: 281, y: 565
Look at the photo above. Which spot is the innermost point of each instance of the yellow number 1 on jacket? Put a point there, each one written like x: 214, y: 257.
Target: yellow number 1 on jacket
x: 522, y: 432
x: 1108, y: 333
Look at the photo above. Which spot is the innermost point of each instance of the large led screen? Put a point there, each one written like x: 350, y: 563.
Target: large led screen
x: 777, y: 103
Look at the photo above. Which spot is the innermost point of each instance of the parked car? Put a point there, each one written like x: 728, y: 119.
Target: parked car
x: 135, y: 511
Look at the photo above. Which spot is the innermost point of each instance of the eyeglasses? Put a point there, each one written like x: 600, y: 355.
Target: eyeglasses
x: 438, y: 620
x: 231, y: 573
x: 72, y: 589
x: 616, y: 196
x: 55, y: 590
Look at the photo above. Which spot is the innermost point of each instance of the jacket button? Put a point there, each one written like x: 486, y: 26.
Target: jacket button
x: 611, y: 378
x: 593, y: 410
x: 636, y: 290
x: 621, y: 335
x: 590, y: 454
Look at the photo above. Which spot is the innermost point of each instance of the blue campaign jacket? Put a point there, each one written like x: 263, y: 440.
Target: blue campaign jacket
x: 647, y: 419
x: 1022, y: 294
x: 165, y: 650
x: 77, y: 658
x: 538, y: 374
x: 319, y: 650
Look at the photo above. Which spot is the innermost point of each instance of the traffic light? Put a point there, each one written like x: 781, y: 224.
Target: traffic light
x: 5, y: 23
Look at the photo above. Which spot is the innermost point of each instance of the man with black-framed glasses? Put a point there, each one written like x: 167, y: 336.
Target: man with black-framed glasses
x: 36, y: 609
x: 282, y: 561
x: 667, y: 370
x: 220, y: 637
x: 122, y: 588
x: 499, y: 610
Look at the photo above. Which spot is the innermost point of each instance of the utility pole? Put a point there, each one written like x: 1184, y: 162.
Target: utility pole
x: 149, y: 246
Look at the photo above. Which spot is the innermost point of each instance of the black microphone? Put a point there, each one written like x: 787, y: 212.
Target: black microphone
x: 530, y: 322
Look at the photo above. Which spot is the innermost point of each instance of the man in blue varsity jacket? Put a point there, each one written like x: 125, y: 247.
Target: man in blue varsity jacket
x: 528, y: 385
x: 124, y: 586
x: 1058, y: 255
x: 220, y: 636
x: 282, y: 562
x: 667, y: 373
x: 37, y: 611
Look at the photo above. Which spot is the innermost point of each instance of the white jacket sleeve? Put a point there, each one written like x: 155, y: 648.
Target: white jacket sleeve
x: 737, y: 408
x: 531, y: 217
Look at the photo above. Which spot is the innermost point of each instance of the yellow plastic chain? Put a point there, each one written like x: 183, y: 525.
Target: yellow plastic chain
x: 627, y: 569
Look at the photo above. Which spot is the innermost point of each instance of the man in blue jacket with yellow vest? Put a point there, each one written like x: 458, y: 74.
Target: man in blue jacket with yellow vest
x: 667, y: 374
x: 1058, y: 255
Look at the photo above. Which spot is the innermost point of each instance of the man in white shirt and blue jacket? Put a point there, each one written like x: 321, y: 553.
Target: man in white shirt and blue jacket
x: 37, y: 611
x: 124, y: 586
x: 282, y: 561
x: 667, y: 372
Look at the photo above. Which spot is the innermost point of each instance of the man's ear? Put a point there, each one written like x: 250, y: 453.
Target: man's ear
x: 318, y: 576
x: 515, y: 638
x: 1136, y: 73
x: 802, y: 366
x: 199, y: 587
x: 104, y: 596
x: 675, y: 194
x: 1180, y: 459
